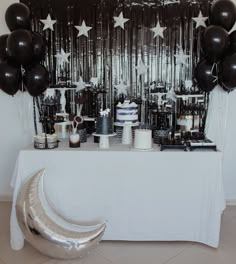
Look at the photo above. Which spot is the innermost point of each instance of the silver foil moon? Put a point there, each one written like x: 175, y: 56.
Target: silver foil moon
x: 48, y: 232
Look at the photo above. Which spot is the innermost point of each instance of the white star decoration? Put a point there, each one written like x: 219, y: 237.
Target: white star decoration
x: 121, y: 88
x: 120, y: 20
x: 200, y: 20
x: 188, y: 84
x: 62, y: 57
x: 83, y: 29
x: 80, y: 84
x: 48, y: 23
x: 141, y: 68
x: 171, y: 95
x: 94, y: 81
x: 158, y: 30
x: 181, y: 58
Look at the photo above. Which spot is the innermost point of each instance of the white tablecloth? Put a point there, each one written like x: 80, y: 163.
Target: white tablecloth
x: 145, y: 196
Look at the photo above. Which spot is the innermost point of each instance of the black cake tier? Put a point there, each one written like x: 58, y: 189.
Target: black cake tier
x: 104, y: 125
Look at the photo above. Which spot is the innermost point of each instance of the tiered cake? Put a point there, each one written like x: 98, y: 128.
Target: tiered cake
x: 104, y: 124
x: 127, y: 112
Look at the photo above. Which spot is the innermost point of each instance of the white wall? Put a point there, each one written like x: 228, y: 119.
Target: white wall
x: 15, y: 132
x: 16, y: 129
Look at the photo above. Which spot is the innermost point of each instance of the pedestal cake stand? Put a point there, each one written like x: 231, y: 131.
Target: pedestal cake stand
x: 104, y: 140
x: 127, y: 131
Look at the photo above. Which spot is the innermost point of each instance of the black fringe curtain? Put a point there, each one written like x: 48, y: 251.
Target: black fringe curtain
x: 111, y: 54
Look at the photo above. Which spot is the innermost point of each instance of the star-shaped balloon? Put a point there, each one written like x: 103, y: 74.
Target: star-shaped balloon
x: 83, y: 29
x: 158, y: 30
x: 48, y: 23
x: 120, y: 20
x: 200, y: 20
x: 121, y: 88
x: 142, y: 68
x: 62, y: 57
x: 80, y: 85
x: 181, y: 57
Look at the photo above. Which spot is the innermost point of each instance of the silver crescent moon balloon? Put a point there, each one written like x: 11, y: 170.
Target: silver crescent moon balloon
x: 48, y: 232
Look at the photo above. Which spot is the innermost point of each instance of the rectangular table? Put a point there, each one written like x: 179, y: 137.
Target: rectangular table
x: 145, y: 196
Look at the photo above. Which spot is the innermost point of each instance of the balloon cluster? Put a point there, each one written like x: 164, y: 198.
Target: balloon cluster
x: 20, y: 54
x: 219, y: 49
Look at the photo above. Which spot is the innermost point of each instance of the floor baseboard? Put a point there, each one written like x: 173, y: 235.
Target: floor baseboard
x: 6, y: 198
x: 230, y: 201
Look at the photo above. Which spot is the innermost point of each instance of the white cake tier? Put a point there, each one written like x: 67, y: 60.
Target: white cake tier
x: 143, y: 139
x: 126, y: 117
x: 127, y: 112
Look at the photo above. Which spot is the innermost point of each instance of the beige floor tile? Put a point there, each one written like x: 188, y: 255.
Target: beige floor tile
x: 92, y: 258
x: 141, y: 252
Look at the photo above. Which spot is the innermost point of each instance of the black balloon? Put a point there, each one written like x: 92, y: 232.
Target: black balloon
x: 39, y: 47
x: 3, y: 47
x: 18, y: 16
x: 10, y: 78
x: 36, y: 79
x: 215, y: 43
x: 223, y: 13
x: 233, y: 41
x: 227, y: 72
x: 20, y: 46
x: 204, y: 76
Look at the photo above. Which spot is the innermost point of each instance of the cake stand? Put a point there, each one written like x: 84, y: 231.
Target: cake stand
x: 104, y: 140
x: 127, y: 131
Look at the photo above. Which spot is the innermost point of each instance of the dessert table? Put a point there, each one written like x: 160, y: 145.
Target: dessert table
x: 144, y: 195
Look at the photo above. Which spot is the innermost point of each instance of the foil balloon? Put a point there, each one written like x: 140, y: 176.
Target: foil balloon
x: 48, y: 232
x: 18, y: 16
x: 223, y: 13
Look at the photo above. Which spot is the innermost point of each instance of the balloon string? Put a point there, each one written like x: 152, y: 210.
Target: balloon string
x: 35, y: 123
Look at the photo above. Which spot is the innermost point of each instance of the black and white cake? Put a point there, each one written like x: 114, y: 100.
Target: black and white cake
x: 104, y: 124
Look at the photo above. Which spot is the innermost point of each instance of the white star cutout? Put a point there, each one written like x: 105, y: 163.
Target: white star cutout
x: 188, y: 84
x: 83, y: 29
x: 158, y: 30
x: 62, y: 57
x: 141, y: 68
x: 233, y: 28
x: 48, y: 23
x: 120, y: 20
x: 181, y: 57
x: 94, y: 81
x: 121, y: 88
x: 200, y: 20
x: 80, y: 85
x: 171, y: 95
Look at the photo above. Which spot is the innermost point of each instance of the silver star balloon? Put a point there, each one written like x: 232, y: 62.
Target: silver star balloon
x: 181, y: 57
x: 83, y: 29
x: 62, y: 57
x: 80, y: 85
x: 158, y: 30
x: 200, y: 20
x: 48, y: 23
x: 120, y: 20
x: 121, y: 88
x: 142, y: 68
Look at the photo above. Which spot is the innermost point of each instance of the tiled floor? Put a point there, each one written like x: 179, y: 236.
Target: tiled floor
x: 132, y: 252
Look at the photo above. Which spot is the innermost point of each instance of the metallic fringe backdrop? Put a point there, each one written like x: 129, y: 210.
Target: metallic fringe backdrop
x: 110, y: 53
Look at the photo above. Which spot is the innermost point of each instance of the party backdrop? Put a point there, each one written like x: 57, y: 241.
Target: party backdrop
x: 146, y: 34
